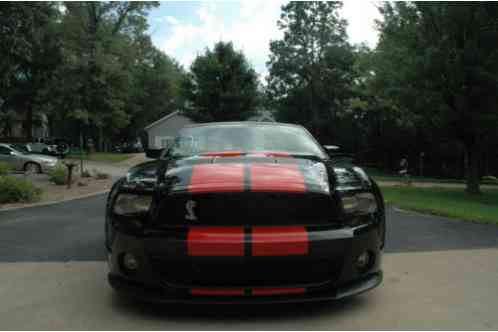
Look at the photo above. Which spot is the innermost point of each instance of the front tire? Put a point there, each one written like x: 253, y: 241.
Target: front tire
x: 32, y: 168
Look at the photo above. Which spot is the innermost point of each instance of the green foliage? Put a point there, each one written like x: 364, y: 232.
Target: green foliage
x: 90, y: 67
x: 221, y: 86
x: 311, y: 67
x: 101, y: 42
x: 29, y: 56
x: 439, y: 60
x: 58, y: 175
x: 5, y: 169
x: 452, y: 203
x: 13, y: 190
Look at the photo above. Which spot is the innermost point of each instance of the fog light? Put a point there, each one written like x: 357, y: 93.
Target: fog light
x: 364, y: 261
x: 130, y: 262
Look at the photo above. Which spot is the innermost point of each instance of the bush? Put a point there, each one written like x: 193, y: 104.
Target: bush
x: 14, y: 190
x: 5, y: 169
x: 58, y: 175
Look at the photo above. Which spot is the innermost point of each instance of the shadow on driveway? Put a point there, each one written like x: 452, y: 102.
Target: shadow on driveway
x: 74, y: 231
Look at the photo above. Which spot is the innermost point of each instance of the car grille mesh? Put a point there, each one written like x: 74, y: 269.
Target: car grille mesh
x: 264, y: 273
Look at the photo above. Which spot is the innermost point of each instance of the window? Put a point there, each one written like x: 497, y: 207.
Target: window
x: 4, y: 150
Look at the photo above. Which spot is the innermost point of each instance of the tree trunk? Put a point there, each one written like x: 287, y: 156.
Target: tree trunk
x: 28, y: 124
x: 100, y: 144
x: 472, y: 172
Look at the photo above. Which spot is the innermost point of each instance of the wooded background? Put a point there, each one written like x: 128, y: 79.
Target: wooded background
x: 429, y: 88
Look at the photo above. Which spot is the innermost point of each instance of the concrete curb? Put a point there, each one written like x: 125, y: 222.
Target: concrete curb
x: 55, y: 202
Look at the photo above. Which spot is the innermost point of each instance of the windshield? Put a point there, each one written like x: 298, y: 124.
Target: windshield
x: 243, y: 138
x: 19, y: 148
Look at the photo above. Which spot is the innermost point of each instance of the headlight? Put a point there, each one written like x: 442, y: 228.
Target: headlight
x: 361, y: 203
x: 127, y: 204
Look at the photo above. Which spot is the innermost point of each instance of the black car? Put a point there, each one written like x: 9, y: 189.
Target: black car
x: 244, y: 212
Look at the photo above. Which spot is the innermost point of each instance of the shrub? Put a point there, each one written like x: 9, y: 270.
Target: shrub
x: 5, y: 169
x: 58, y: 175
x: 14, y: 190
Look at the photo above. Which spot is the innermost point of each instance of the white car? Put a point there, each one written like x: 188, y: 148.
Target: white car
x: 42, y: 148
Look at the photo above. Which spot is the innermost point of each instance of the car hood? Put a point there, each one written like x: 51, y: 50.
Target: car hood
x: 247, y: 173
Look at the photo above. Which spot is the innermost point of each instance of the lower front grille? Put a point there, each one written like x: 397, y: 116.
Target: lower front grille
x: 255, y: 273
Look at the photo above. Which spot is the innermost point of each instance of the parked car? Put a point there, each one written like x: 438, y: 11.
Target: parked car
x: 26, y: 162
x: 244, y: 212
x: 41, y: 148
x: 62, y: 146
x: 50, y: 146
x: 129, y: 147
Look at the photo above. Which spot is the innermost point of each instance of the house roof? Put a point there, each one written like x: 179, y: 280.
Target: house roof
x: 161, y: 120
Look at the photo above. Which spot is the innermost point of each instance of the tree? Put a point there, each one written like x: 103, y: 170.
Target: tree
x: 310, y: 69
x: 155, y: 90
x: 30, y: 54
x: 221, y: 86
x: 441, y: 62
x: 100, y: 44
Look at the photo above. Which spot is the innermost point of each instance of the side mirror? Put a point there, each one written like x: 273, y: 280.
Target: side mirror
x: 153, y: 153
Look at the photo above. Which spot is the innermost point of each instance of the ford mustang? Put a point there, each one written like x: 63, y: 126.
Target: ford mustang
x: 244, y: 212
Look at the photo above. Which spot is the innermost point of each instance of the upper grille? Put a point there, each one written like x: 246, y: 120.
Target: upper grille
x: 247, y: 209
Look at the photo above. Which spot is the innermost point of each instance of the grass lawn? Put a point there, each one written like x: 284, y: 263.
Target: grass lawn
x: 381, y: 176
x: 102, y: 156
x: 454, y: 203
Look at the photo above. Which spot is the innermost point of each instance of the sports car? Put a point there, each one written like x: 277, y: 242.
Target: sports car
x: 244, y: 212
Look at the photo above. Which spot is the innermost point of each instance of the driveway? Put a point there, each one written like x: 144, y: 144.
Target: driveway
x: 439, y: 274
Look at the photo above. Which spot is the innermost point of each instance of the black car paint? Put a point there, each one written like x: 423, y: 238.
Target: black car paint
x: 151, y: 237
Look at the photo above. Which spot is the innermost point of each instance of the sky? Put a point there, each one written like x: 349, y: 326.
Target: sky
x: 183, y: 29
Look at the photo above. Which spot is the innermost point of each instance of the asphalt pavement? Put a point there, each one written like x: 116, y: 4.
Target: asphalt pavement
x: 439, y: 274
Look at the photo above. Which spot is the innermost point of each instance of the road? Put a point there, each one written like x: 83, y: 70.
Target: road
x: 439, y: 274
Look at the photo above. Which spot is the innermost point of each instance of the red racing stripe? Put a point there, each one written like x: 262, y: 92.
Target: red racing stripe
x: 209, y: 178
x: 223, y: 154
x: 277, y: 291
x: 266, y: 177
x: 217, y: 292
x: 215, y: 241
x: 279, y: 241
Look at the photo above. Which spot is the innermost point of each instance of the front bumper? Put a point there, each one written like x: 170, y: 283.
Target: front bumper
x: 146, y: 293
x: 152, y: 282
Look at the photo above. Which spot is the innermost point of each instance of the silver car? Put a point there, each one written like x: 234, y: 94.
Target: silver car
x: 26, y: 162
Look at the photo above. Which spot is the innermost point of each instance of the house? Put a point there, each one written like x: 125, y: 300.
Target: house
x: 161, y: 133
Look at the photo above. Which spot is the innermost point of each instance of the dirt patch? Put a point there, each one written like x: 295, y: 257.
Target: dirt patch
x: 54, y: 193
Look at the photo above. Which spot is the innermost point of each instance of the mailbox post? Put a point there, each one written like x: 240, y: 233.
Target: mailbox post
x: 70, y: 167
